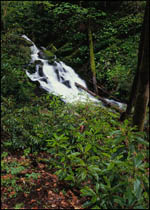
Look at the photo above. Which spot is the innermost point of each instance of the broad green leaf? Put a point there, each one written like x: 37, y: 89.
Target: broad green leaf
x: 70, y: 177
x: 103, y: 187
x: 78, y: 161
x: 119, y: 139
x: 73, y: 154
x: 138, y: 160
x: 83, y: 175
x: 4, y: 154
x: 33, y: 175
x: 87, y: 203
x: 94, y: 199
x: 96, y: 207
x: 94, y: 168
x: 80, y: 147
x: 116, y: 132
x: 94, y: 158
x: 58, y: 172
x: 129, y: 196
x: 142, y: 141
x: 17, y: 170
x: 137, y: 188
x: 110, y: 166
x: 62, y: 159
x: 86, y: 191
x: 97, y: 187
x: 106, y: 154
x: 88, y: 147
x: 95, y: 175
x: 107, y: 180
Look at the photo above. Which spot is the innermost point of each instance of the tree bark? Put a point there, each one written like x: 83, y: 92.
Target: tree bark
x: 136, y: 81
x: 4, y: 13
x: 143, y: 90
x: 92, y: 59
x: 109, y: 104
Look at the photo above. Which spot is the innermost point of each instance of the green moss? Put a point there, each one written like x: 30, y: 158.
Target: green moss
x: 52, y: 48
x: 92, y: 58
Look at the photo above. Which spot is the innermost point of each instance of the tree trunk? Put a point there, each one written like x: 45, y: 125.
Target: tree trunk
x: 4, y: 13
x: 140, y: 108
x: 136, y: 81
x: 92, y: 59
x: 143, y: 90
x: 109, y: 104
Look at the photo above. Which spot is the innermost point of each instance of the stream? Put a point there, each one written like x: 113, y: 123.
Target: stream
x: 59, y: 79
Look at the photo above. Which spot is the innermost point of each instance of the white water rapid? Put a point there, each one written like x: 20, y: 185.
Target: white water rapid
x: 59, y: 79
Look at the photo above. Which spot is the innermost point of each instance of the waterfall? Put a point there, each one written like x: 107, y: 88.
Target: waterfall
x: 59, y: 79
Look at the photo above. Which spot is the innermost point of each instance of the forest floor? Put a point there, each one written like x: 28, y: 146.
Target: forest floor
x: 30, y: 184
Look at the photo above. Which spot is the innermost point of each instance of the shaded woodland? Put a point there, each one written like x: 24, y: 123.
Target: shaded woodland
x: 59, y: 155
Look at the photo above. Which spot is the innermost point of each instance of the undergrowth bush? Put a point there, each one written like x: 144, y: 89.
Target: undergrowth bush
x: 89, y: 149
x: 15, y: 56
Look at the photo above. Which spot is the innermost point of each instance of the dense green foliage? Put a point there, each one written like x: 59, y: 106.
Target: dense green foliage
x: 105, y: 159
x: 88, y: 147
x: 115, y: 35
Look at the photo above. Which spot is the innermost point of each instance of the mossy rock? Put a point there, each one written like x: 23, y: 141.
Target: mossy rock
x: 52, y: 48
x: 49, y: 56
x: 48, y: 53
x: 41, y: 55
x: 38, y: 62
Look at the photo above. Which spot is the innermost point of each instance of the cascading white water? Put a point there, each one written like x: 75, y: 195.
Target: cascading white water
x: 59, y: 79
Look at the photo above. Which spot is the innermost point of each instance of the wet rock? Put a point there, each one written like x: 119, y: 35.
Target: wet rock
x: 64, y: 70
x: 44, y: 80
x: 39, y: 91
x: 31, y: 68
x: 67, y: 83
x: 38, y: 62
x: 41, y: 55
x: 62, y: 78
x: 41, y: 71
x: 57, y: 73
